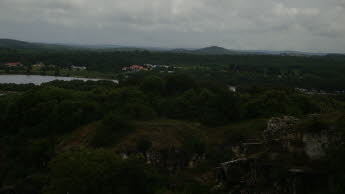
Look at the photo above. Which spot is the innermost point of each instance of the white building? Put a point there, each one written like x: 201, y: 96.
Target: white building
x: 78, y: 67
x: 232, y: 88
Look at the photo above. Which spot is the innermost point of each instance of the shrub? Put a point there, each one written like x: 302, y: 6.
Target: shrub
x: 111, y: 129
x: 98, y: 171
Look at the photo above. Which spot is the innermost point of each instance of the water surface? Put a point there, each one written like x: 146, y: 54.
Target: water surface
x: 38, y: 79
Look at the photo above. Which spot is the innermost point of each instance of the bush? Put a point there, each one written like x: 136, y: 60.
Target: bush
x: 98, y: 171
x: 153, y: 84
x: 138, y: 111
x: 111, y: 129
x: 143, y: 145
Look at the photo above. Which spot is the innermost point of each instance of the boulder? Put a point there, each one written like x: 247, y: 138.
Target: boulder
x: 278, y: 127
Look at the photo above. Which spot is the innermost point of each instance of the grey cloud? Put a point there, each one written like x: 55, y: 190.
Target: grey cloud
x: 311, y: 25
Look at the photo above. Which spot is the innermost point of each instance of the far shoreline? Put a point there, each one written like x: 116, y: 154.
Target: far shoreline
x: 101, y: 76
x: 49, y: 78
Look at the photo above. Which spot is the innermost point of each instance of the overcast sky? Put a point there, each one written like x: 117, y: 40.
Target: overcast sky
x: 305, y: 25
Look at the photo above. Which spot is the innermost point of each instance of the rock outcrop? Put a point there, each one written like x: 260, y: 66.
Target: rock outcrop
x: 288, y: 135
x: 169, y: 159
x: 284, y: 162
x: 279, y: 127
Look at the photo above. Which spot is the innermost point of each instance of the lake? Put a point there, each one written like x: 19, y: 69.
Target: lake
x: 39, y: 79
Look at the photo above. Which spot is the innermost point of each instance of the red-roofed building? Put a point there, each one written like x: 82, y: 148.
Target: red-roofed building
x: 14, y: 64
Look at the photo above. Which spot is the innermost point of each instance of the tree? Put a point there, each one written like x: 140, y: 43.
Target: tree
x: 99, y: 171
x: 177, y: 84
x: 57, y: 71
x: 153, y: 84
x: 143, y: 145
x: 111, y: 129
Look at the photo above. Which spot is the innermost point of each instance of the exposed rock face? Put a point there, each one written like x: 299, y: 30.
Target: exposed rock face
x: 279, y: 127
x: 284, y: 132
x: 279, y: 164
x: 315, y: 144
x: 169, y: 159
x: 248, y: 148
x: 258, y: 176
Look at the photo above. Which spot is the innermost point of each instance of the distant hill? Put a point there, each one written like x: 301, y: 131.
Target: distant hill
x: 335, y: 55
x: 180, y: 50
x: 9, y: 43
x: 111, y: 47
x: 212, y: 50
x: 17, y: 44
x: 215, y: 50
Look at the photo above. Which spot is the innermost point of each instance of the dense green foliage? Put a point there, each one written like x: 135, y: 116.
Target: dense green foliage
x: 113, y: 127
x: 35, y: 123
x: 97, y: 171
x: 17, y: 87
x: 320, y: 72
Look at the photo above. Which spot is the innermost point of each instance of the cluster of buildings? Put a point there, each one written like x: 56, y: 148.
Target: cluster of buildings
x: 19, y: 64
x: 78, y: 67
x: 36, y: 66
x: 39, y: 66
x: 150, y: 66
x: 147, y: 67
x: 134, y: 68
x: 13, y: 64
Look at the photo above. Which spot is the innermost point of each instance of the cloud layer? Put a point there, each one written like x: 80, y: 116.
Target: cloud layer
x: 307, y: 25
